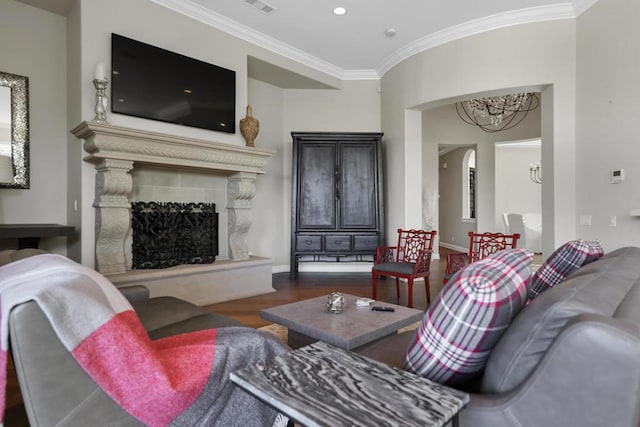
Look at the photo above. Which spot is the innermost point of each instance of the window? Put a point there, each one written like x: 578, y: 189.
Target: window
x: 469, y: 184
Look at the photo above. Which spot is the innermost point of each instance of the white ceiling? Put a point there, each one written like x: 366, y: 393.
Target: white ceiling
x: 354, y: 46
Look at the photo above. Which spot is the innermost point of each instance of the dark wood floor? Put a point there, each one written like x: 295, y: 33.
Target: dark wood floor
x: 310, y: 285
x: 307, y: 285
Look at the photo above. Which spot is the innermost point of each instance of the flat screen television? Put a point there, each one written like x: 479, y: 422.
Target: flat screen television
x: 157, y: 84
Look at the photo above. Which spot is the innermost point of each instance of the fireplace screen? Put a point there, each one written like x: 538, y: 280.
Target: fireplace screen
x: 170, y: 234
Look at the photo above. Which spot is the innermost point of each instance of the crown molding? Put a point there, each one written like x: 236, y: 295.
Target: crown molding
x: 581, y: 6
x: 222, y: 23
x: 501, y: 20
x: 569, y: 10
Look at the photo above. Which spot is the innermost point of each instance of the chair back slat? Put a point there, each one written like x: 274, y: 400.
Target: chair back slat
x: 482, y: 245
x: 412, y: 242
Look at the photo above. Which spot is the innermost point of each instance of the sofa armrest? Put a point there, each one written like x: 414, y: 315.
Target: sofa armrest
x: 589, y: 377
x: 135, y: 293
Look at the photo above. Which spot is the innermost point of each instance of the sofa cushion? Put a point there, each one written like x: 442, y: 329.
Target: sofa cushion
x: 164, y: 316
x: 598, y: 288
x: 468, y: 317
x: 562, y: 262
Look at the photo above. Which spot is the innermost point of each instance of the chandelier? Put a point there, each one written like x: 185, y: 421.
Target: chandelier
x: 497, y: 113
x: 535, y: 172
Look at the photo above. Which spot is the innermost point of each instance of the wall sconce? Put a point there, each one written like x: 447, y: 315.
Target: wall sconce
x: 535, y: 172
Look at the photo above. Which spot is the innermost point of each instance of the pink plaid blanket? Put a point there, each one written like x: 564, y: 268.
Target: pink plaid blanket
x: 178, y: 380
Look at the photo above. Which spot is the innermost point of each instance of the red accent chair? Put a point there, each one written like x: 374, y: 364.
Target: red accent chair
x: 481, y: 245
x: 410, y: 259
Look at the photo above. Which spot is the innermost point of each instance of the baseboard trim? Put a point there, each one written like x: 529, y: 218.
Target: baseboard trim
x: 335, y: 267
x: 453, y: 247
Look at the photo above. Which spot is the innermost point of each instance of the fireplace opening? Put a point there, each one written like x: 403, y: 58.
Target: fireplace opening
x: 170, y: 234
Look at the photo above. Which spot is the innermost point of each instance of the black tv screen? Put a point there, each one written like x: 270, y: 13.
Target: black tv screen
x: 154, y: 83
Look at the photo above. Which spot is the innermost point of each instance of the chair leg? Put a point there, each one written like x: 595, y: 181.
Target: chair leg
x: 397, y: 287
x: 426, y: 288
x: 410, y: 290
x: 374, y: 280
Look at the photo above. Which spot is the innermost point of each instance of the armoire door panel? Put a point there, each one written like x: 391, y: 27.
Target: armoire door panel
x: 358, y: 186
x: 316, y: 199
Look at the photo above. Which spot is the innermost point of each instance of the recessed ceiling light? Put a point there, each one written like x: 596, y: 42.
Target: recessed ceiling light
x: 339, y: 11
x: 390, y: 32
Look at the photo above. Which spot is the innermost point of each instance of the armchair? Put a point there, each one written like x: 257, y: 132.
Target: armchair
x: 480, y: 246
x: 410, y: 259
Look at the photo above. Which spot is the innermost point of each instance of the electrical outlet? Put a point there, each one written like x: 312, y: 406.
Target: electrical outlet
x: 612, y: 221
x: 453, y: 238
x: 585, y: 219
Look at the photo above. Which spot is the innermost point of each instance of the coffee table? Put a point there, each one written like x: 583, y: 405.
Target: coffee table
x: 322, y: 385
x: 309, y: 321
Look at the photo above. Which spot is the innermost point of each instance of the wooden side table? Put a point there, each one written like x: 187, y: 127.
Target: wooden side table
x: 29, y: 235
x: 322, y: 385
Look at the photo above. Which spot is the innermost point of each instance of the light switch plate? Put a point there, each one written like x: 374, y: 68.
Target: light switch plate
x: 617, y: 176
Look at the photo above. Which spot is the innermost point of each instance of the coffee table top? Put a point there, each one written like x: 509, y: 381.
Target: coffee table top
x: 354, y: 327
x: 322, y: 385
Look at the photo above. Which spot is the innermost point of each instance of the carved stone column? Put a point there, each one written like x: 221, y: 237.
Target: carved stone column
x: 113, y: 185
x: 240, y: 191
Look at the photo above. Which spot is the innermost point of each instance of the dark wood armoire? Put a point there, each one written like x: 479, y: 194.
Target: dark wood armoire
x: 337, y: 199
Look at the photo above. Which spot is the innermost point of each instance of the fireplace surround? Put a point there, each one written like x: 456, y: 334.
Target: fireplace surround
x: 116, y: 150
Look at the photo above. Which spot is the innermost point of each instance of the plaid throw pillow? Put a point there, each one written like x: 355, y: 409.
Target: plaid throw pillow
x: 468, y: 317
x: 562, y: 262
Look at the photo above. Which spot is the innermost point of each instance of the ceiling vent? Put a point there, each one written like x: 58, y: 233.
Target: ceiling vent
x: 263, y: 7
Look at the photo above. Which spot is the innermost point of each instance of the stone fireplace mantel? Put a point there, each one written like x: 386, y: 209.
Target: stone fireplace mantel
x: 116, y: 150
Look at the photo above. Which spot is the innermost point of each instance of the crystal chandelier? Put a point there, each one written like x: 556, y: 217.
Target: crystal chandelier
x: 497, y: 113
x: 535, y: 172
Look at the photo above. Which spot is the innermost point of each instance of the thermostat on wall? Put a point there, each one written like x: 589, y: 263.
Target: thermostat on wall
x: 617, y: 176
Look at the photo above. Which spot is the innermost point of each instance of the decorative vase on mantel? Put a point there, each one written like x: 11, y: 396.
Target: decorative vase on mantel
x: 249, y: 127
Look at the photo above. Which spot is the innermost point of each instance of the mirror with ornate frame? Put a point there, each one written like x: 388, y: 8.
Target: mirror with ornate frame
x: 14, y: 131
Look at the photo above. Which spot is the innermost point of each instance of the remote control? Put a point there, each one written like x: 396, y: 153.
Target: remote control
x: 378, y: 308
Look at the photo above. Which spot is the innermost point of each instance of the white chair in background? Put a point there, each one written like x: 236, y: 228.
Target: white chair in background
x: 505, y: 220
x: 533, y: 230
x: 516, y: 225
x: 529, y: 226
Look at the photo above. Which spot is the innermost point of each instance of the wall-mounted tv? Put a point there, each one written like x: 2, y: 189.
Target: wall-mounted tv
x: 153, y: 83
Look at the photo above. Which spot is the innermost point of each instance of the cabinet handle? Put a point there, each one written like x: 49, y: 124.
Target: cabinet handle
x: 308, y: 242
x: 337, y: 184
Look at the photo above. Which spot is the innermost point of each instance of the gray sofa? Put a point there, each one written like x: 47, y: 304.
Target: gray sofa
x: 55, y: 389
x: 569, y: 358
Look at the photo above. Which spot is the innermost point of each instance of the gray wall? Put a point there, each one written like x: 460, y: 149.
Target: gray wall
x: 452, y: 228
x: 607, y: 125
x: 33, y: 44
x: 586, y: 68
x: 60, y: 57
x: 515, y: 191
x: 441, y: 128
x: 541, y: 57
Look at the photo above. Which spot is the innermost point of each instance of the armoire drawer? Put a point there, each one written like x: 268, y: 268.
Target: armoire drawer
x: 333, y: 243
x: 308, y: 243
x: 365, y: 243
